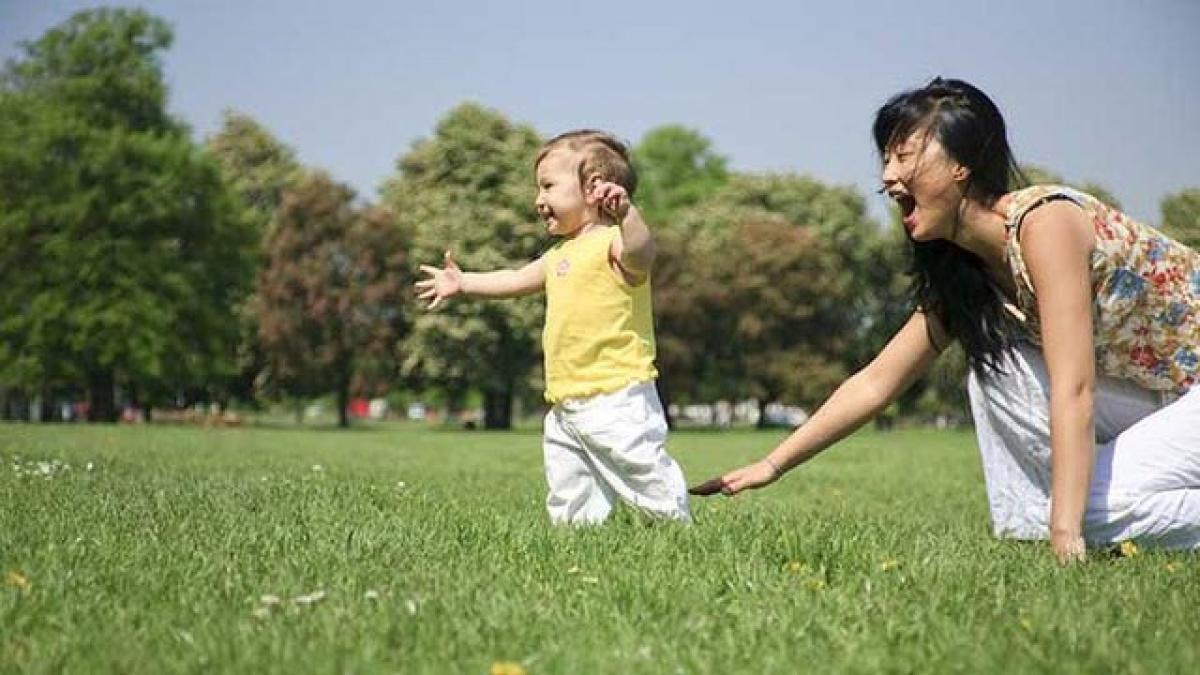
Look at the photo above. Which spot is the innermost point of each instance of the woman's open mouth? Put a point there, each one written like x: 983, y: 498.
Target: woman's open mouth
x: 908, y: 208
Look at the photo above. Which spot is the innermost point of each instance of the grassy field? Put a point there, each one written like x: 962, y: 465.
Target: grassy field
x: 402, y: 549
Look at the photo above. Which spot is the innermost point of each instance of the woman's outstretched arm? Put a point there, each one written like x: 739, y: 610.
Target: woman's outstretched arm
x: 905, y: 358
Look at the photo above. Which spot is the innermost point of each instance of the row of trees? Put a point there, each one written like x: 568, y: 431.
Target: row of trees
x: 135, y: 261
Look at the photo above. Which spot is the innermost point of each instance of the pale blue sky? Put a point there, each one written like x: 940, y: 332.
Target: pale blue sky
x: 1105, y: 90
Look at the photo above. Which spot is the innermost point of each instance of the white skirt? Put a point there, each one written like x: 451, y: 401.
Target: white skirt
x: 1146, y: 478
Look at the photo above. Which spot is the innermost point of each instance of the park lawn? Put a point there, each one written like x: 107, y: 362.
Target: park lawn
x: 404, y: 549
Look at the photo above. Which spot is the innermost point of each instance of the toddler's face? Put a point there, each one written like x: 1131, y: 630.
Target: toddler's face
x: 560, y: 200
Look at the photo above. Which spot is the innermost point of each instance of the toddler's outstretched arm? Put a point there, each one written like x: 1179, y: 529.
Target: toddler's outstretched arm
x: 450, y: 280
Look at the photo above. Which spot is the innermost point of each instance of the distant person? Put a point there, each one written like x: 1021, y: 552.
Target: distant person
x: 605, y: 432
x: 1081, y: 328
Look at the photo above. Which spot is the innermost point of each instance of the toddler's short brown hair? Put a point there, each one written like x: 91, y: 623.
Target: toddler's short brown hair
x: 602, y: 154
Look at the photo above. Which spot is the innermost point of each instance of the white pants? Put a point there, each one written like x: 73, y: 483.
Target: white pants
x: 1146, y: 480
x: 610, y: 446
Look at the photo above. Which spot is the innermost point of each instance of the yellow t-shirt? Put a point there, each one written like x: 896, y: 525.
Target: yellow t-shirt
x: 599, y: 333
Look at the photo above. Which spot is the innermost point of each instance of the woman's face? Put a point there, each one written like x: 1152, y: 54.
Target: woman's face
x: 927, y: 184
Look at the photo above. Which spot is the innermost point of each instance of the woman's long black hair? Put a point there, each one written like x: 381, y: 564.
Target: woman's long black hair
x: 948, y: 281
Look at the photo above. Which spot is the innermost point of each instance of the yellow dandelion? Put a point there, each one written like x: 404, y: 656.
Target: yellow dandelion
x: 815, y: 584
x: 1129, y: 549
x: 888, y: 564
x: 507, y: 668
x: 1026, y: 624
x: 796, y: 567
x: 1173, y: 566
x: 17, y: 580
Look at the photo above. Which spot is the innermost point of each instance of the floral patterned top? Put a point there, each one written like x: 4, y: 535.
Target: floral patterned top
x: 1145, y: 289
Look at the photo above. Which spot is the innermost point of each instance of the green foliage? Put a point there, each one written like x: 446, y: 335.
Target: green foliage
x: 943, y: 390
x: 677, y: 167
x: 259, y: 168
x: 330, y: 299
x: 434, y: 555
x: 122, y: 249
x: 762, y: 290
x: 103, y: 65
x: 1181, y: 216
x: 744, y: 308
x: 257, y: 164
x: 470, y: 189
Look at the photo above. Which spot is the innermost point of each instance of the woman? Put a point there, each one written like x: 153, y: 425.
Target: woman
x: 1081, y: 327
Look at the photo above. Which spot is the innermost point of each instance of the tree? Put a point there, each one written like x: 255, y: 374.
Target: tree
x: 259, y: 168
x: 103, y: 66
x: 256, y: 163
x: 470, y: 189
x: 783, y: 291
x: 122, y: 249
x: 1181, y: 216
x: 330, y: 299
x: 676, y: 167
x: 838, y: 217
x: 753, y: 298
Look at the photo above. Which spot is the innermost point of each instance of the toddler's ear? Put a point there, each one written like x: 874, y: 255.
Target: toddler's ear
x: 589, y: 186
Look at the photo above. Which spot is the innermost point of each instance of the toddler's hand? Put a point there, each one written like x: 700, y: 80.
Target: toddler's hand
x: 612, y: 198
x: 442, y: 283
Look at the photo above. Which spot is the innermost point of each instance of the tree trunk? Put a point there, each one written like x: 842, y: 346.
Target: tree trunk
x: 48, y: 412
x: 343, y: 404
x: 762, y: 414
x: 497, y: 409
x: 453, y: 406
x: 102, y: 406
x: 664, y: 397
x: 135, y: 402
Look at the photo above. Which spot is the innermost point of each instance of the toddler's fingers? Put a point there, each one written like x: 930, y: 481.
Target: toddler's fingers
x: 430, y: 270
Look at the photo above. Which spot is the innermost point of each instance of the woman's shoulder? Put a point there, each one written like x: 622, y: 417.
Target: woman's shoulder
x: 1024, y: 200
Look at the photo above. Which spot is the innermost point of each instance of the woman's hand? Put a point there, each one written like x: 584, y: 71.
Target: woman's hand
x: 1068, y: 546
x: 749, y: 477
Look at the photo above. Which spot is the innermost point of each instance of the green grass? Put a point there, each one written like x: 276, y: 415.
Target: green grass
x: 434, y: 555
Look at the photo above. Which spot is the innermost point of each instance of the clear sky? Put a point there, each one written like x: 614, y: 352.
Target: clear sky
x: 1100, y: 90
